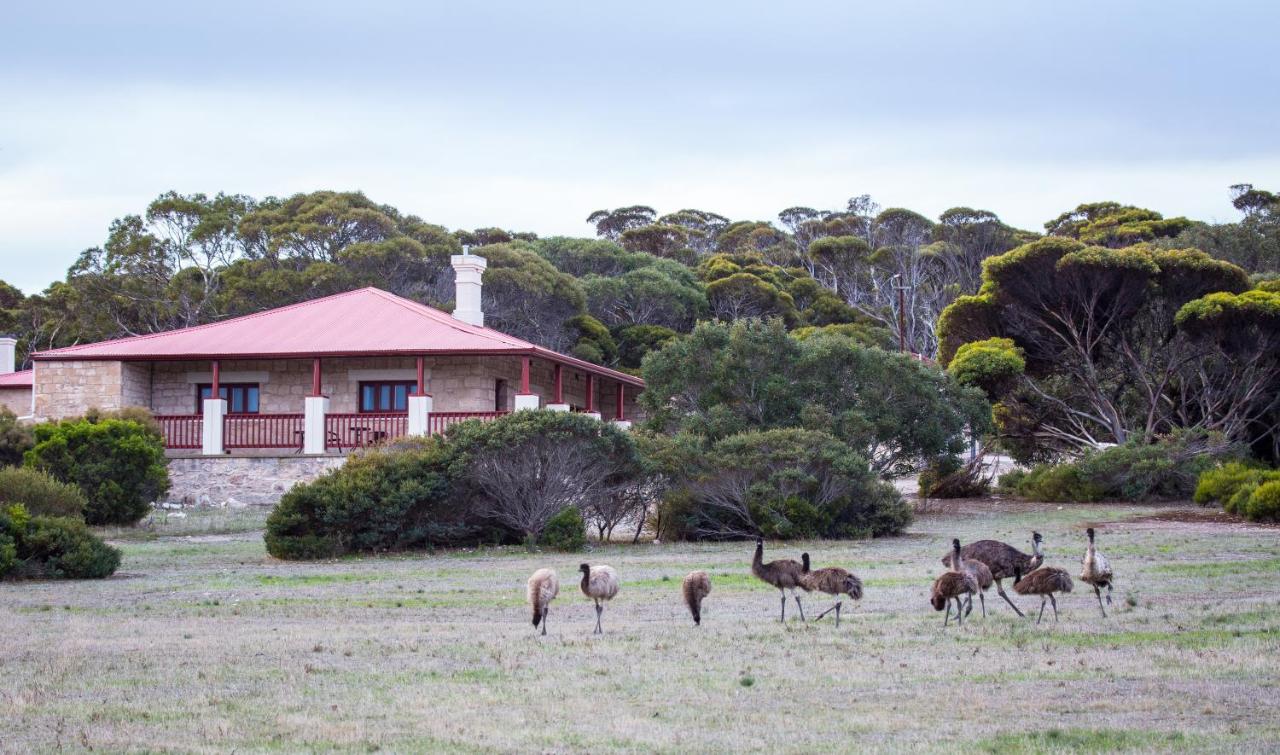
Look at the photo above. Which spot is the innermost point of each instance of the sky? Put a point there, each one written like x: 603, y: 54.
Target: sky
x: 531, y: 115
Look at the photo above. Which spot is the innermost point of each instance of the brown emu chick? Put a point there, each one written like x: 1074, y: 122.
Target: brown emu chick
x: 952, y: 586
x: 783, y: 574
x: 982, y: 575
x: 1044, y: 582
x: 696, y: 586
x: 1003, y: 559
x: 833, y: 581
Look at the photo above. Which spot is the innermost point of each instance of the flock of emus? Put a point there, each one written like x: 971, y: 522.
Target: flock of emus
x: 971, y: 570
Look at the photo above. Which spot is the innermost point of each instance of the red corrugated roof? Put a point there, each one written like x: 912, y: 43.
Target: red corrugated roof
x: 365, y: 322
x: 20, y: 379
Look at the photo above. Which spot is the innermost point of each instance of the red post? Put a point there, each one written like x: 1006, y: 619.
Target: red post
x: 315, y: 377
x: 524, y: 375
x: 591, y: 393
x: 422, y: 376
x: 559, y: 384
x: 618, y: 412
x: 215, y: 389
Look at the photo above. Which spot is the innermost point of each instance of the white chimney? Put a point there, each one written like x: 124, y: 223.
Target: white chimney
x: 8, y: 355
x: 468, y: 271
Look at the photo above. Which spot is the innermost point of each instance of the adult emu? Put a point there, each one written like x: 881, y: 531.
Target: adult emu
x: 544, y: 586
x: 600, y: 583
x: 696, y: 586
x: 1096, y: 572
x: 1003, y: 559
x: 783, y: 574
x: 1044, y: 582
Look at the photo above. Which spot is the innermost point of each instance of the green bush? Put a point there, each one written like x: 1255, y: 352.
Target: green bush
x: 566, y: 531
x: 39, y: 493
x: 1165, y: 470
x: 782, y: 484
x: 119, y: 464
x: 1264, y: 503
x: 1233, y: 485
x: 52, y: 547
x: 15, y: 438
x: 396, y: 497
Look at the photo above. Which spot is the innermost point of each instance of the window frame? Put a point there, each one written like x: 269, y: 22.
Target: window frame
x: 230, y: 388
x: 410, y: 386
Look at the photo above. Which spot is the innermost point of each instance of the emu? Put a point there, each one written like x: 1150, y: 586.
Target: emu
x: 833, y: 581
x: 1096, y: 571
x: 1003, y: 559
x: 783, y: 574
x: 544, y: 586
x: 982, y: 575
x: 696, y: 586
x: 1044, y: 582
x: 600, y: 583
x: 951, y: 585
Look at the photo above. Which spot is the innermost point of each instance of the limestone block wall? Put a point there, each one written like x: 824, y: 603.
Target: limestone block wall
x: 241, y: 480
x: 69, y: 389
x: 17, y: 400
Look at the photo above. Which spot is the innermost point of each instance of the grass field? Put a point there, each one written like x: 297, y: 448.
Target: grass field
x: 204, y: 643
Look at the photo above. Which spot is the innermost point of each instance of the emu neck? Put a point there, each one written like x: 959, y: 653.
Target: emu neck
x: 957, y: 561
x: 586, y: 579
x: 758, y: 559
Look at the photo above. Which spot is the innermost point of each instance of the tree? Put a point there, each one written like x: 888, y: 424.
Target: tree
x: 526, y: 296
x: 1113, y: 225
x: 526, y: 467
x: 661, y: 293
x: 1105, y: 361
x: 611, y: 224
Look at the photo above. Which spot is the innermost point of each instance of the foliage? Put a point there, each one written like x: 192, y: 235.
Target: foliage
x: 41, y: 494
x: 566, y: 531
x: 1165, y: 470
x: 52, y: 547
x: 119, y: 464
x: 729, y: 378
x: 949, y: 477
x: 594, y: 343
x: 993, y: 365
x: 526, y: 296
x: 396, y: 497
x: 635, y: 341
x: 1264, y: 502
x: 524, y: 468
x: 1233, y: 486
x: 786, y: 483
x: 1113, y: 225
x: 15, y: 438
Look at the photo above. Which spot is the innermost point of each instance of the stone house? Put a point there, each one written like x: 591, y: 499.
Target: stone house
x: 250, y: 405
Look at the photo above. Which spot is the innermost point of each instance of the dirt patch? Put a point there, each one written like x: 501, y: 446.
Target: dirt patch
x: 1203, y: 517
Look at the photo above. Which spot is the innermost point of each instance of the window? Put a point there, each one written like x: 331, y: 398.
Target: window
x: 499, y: 395
x: 241, y: 398
x: 386, y: 395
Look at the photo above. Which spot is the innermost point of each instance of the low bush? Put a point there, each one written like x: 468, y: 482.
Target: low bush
x: 566, y: 531
x: 15, y: 438
x: 1165, y: 470
x: 948, y: 477
x: 395, y: 497
x: 118, y: 464
x: 52, y: 547
x: 1234, y: 486
x: 39, y: 493
x: 1264, y: 502
x: 783, y: 484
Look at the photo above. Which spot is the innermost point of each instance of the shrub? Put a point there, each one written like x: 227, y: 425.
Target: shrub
x: 1264, y: 503
x: 395, y: 497
x: 948, y: 477
x: 1234, y: 485
x: 785, y: 484
x: 15, y: 438
x: 504, y: 465
x: 566, y: 531
x: 39, y: 493
x: 119, y: 464
x: 1167, y: 469
x: 57, y: 547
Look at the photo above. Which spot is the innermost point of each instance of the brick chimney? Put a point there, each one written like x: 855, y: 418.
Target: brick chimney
x: 468, y: 271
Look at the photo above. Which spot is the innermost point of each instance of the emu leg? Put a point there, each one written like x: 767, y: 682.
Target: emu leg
x: 1054, y: 601
x: 783, y: 619
x: 599, y: 612
x: 835, y: 608
x: 947, y: 618
x: 1041, y: 616
x: 545, y: 611
x: 968, y: 604
x: 797, y: 597
x: 959, y: 614
x: 838, y: 604
x: 982, y: 598
x: 1000, y: 589
x: 1098, y: 592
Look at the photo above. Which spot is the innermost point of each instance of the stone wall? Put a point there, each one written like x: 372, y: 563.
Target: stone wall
x: 241, y: 480
x: 18, y: 400
x: 69, y: 389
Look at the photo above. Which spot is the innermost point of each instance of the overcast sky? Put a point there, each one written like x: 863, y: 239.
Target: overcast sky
x: 529, y: 115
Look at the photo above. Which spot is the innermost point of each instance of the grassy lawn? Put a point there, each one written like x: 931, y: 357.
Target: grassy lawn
x: 204, y: 643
